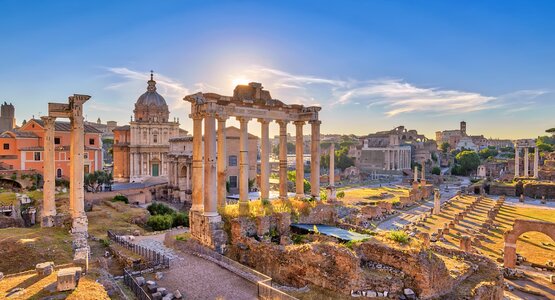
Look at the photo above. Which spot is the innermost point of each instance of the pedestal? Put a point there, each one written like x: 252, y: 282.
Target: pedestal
x: 208, y: 230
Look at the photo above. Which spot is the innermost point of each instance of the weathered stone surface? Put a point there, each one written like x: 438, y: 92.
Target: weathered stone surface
x: 68, y: 278
x: 140, y: 280
x: 45, y: 268
x: 156, y: 296
x: 177, y: 294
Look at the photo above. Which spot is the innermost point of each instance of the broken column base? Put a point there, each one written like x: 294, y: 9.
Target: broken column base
x: 331, y: 193
x: 48, y: 221
x: 80, y: 224
x: 208, y: 230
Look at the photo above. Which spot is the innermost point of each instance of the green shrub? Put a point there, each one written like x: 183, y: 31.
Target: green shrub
x: 121, y: 198
x: 297, y: 238
x: 398, y: 236
x: 180, y: 219
x: 159, y: 209
x: 104, y: 242
x: 340, y: 195
x: 160, y: 222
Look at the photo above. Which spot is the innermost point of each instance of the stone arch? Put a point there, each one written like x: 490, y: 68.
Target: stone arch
x: 520, y: 227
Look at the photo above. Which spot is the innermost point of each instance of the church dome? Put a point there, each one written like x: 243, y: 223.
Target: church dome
x: 151, y: 106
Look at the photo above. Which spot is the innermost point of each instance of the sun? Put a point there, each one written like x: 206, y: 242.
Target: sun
x: 239, y: 81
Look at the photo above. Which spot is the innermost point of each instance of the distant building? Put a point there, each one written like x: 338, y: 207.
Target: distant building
x: 452, y: 137
x: 392, y: 151
x: 141, y: 148
x: 466, y: 144
x: 23, y: 148
x: 7, y: 117
x: 106, y: 129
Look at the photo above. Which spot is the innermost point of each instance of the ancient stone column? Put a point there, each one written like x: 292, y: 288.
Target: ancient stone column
x: 315, y: 159
x: 76, y: 166
x: 386, y: 159
x: 526, y: 162
x: 210, y: 172
x: 437, y: 202
x: 332, y: 164
x: 282, y: 159
x: 243, y: 166
x: 49, y: 189
x: 198, y: 164
x: 264, y: 159
x: 509, y: 255
x: 536, y: 161
x: 299, y: 164
x: 517, y: 162
x: 415, y: 174
x: 222, y: 162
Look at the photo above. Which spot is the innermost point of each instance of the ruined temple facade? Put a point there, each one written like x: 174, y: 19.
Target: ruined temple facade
x: 141, y: 148
x: 392, y: 151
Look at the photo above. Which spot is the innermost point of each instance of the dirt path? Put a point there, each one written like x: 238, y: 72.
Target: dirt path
x: 197, y: 278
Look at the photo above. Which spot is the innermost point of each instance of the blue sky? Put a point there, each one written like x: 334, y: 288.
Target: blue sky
x: 371, y: 65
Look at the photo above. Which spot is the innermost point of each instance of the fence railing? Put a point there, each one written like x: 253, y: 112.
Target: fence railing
x: 153, y: 259
x: 130, y: 281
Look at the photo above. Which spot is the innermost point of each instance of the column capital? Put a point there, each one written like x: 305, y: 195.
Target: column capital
x: 299, y: 123
x: 221, y: 117
x: 315, y: 122
x: 282, y: 122
x: 264, y: 120
x: 196, y: 116
x: 48, y: 120
x: 243, y: 119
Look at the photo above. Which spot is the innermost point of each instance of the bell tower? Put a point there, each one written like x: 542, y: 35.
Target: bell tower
x: 7, y: 117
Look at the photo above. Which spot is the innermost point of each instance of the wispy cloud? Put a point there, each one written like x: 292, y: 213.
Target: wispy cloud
x: 393, y: 96
x: 170, y: 88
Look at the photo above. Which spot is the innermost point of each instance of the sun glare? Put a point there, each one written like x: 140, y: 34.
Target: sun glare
x: 239, y: 81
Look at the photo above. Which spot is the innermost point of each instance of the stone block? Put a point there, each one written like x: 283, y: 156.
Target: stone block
x: 552, y: 278
x: 67, y: 279
x: 409, y: 294
x: 151, y: 282
x: 152, y: 288
x: 156, y: 296
x: 140, y: 280
x: 162, y: 291
x: 169, y: 296
x: 159, y: 275
x: 262, y: 225
x: 371, y: 294
x: 45, y: 268
x: 81, y: 258
x: 177, y: 295
x: 1, y: 275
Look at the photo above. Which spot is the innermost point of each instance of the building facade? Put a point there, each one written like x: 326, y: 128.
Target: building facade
x: 23, y: 148
x: 141, y: 148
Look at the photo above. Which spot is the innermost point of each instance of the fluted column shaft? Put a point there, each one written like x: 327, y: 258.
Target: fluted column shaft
x: 536, y: 161
x: 332, y: 164
x: 282, y: 159
x: 198, y: 165
x: 243, y: 166
x: 517, y: 161
x: 210, y: 172
x: 264, y: 159
x: 315, y: 158
x: 49, y: 188
x: 526, y: 163
x: 299, y: 164
x: 222, y: 163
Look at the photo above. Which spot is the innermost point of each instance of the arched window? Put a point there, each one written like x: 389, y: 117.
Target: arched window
x: 59, y: 173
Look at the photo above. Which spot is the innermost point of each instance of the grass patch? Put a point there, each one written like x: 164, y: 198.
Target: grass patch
x: 398, y: 236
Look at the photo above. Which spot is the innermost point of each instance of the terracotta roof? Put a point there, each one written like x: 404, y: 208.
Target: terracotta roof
x: 18, y: 134
x: 121, y: 128
x: 66, y: 126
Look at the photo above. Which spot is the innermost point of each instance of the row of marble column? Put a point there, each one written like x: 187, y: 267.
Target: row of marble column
x: 526, y: 162
x: 210, y: 168
x: 397, y: 159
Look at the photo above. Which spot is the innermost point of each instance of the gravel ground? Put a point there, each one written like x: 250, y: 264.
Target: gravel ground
x: 197, y: 278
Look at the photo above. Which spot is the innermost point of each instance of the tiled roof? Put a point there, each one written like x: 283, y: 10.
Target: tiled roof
x: 18, y: 134
x: 66, y: 126
x: 124, y: 127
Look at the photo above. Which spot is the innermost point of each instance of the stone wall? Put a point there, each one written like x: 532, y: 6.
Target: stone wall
x: 498, y: 189
x: 137, y: 195
x: 322, y: 213
x: 538, y: 189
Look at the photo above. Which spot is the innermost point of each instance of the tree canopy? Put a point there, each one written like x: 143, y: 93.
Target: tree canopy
x: 468, y: 161
x: 444, y: 147
x: 488, y: 152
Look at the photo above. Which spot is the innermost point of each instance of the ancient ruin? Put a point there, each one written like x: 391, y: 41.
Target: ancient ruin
x: 248, y: 101
x: 520, y: 227
x: 526, y: 144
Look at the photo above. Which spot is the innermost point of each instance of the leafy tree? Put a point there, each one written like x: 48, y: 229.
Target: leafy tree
x: 342, y: 159
x: 434, y: 156
x: 94, y: 181
x: 444, y: 147
x: 292, y: 176
x: 488, y: 152
x: 468, y: 161
x: 545, y: 147
x: 551, y: 130
x: 160, y: 222
x: 159, y: 209
x: 436, y: 170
